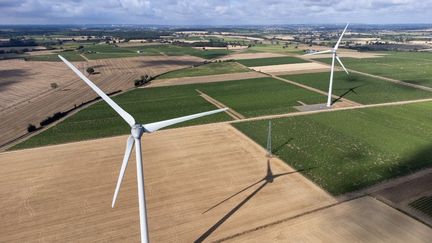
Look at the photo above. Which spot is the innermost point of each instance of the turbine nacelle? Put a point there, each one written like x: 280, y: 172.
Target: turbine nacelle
x: 137, y: 131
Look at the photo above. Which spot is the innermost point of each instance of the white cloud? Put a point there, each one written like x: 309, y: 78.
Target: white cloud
x: 214, y: 12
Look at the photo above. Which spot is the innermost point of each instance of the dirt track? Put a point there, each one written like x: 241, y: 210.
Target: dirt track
x: 205, y: 79
x: 25, y: 86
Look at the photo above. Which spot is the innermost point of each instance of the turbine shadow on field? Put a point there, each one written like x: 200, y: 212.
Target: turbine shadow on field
x: 268, y: 178
x: 347, y: 92
x: 275, y: 150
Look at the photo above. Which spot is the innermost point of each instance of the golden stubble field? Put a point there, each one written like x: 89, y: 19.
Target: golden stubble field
x: 203, y: 183
x: 27, y: 97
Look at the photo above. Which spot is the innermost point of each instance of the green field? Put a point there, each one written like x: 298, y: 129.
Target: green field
x: 252, y: 97
x: 206, y: 69
x: 359, y: 88
x: 410, y: 67
x: 146, y: 105
x: 261, y: 96
x: 270, y: 61
x: 424, y: 205
x: 344, y: 151
x: 275, y: 49
x: 111, y: 51
x: 70, y: 55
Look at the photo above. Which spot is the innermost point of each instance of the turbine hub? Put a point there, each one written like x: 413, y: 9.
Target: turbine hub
x: 137, y: 131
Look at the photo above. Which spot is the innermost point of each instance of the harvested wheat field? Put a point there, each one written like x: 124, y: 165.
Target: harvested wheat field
x: 360, y: 220
x: 206, y: 79
x: 202, y: 183
x: 27, y: 97
x: 295, y: 68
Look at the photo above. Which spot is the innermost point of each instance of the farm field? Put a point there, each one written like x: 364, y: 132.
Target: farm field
x: 67, y: 195
x: 262, y: 96
x: 206, y: 79
x: 27, y: 87
x: 361, y: 220
x: 351, y: 150
x: 275, y: 49
x: 410, y: 67
x: 270, y: 61
x: 206, y: 69
x: 110, y: 51
x: 145, y: 105
x: 70, y: 55
x: 160, y: 103
x: 359, y: 88
x: 250, y: 197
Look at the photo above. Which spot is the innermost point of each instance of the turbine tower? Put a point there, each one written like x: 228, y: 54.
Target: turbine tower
x: 137, y: 131
x: 334, y: 56
x: 269, y: 140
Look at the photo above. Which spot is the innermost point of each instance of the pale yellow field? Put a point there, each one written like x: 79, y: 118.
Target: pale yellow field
x: 203, y: 183
x: 292, y: 68
x: 63, y: 193
x: 361, y: 220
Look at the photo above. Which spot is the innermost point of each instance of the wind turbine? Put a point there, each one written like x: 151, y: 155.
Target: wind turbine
x: 334, y: 56
x: 137, y: 131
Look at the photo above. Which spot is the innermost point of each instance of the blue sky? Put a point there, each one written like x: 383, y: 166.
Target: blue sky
x: 214, y: 12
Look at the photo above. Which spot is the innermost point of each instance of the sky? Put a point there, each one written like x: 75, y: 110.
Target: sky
x: 214, y: 12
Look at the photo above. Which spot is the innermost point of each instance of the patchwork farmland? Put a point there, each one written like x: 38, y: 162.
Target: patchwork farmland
x: 209, y: 179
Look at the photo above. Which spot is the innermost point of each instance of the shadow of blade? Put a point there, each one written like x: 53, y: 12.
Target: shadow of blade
x: 229, y: 214
x: 346, y: 93
x: 275, y: 150
x: 235, y: 194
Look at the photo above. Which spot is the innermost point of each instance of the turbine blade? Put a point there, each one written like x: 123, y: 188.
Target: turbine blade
x: 129, y: 145
x: 340, y: 38
x: 318, y: 52
x: 151, y: 127
x: 126, y: 116
x: 340, y: 62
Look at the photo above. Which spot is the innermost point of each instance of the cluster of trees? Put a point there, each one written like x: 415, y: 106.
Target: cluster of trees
x: 142, y: 80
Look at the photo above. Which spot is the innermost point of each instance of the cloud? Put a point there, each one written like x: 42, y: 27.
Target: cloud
x: 213, y: 11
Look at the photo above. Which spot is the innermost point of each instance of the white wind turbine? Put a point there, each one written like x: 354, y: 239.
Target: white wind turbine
x: 334, y: 56
x: 136, y: 132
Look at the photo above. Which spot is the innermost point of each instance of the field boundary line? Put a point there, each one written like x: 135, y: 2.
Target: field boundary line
x: 84, y: 57
x: 231, y: 112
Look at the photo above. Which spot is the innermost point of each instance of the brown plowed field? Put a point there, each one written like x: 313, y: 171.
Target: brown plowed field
x: 26, y: 96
